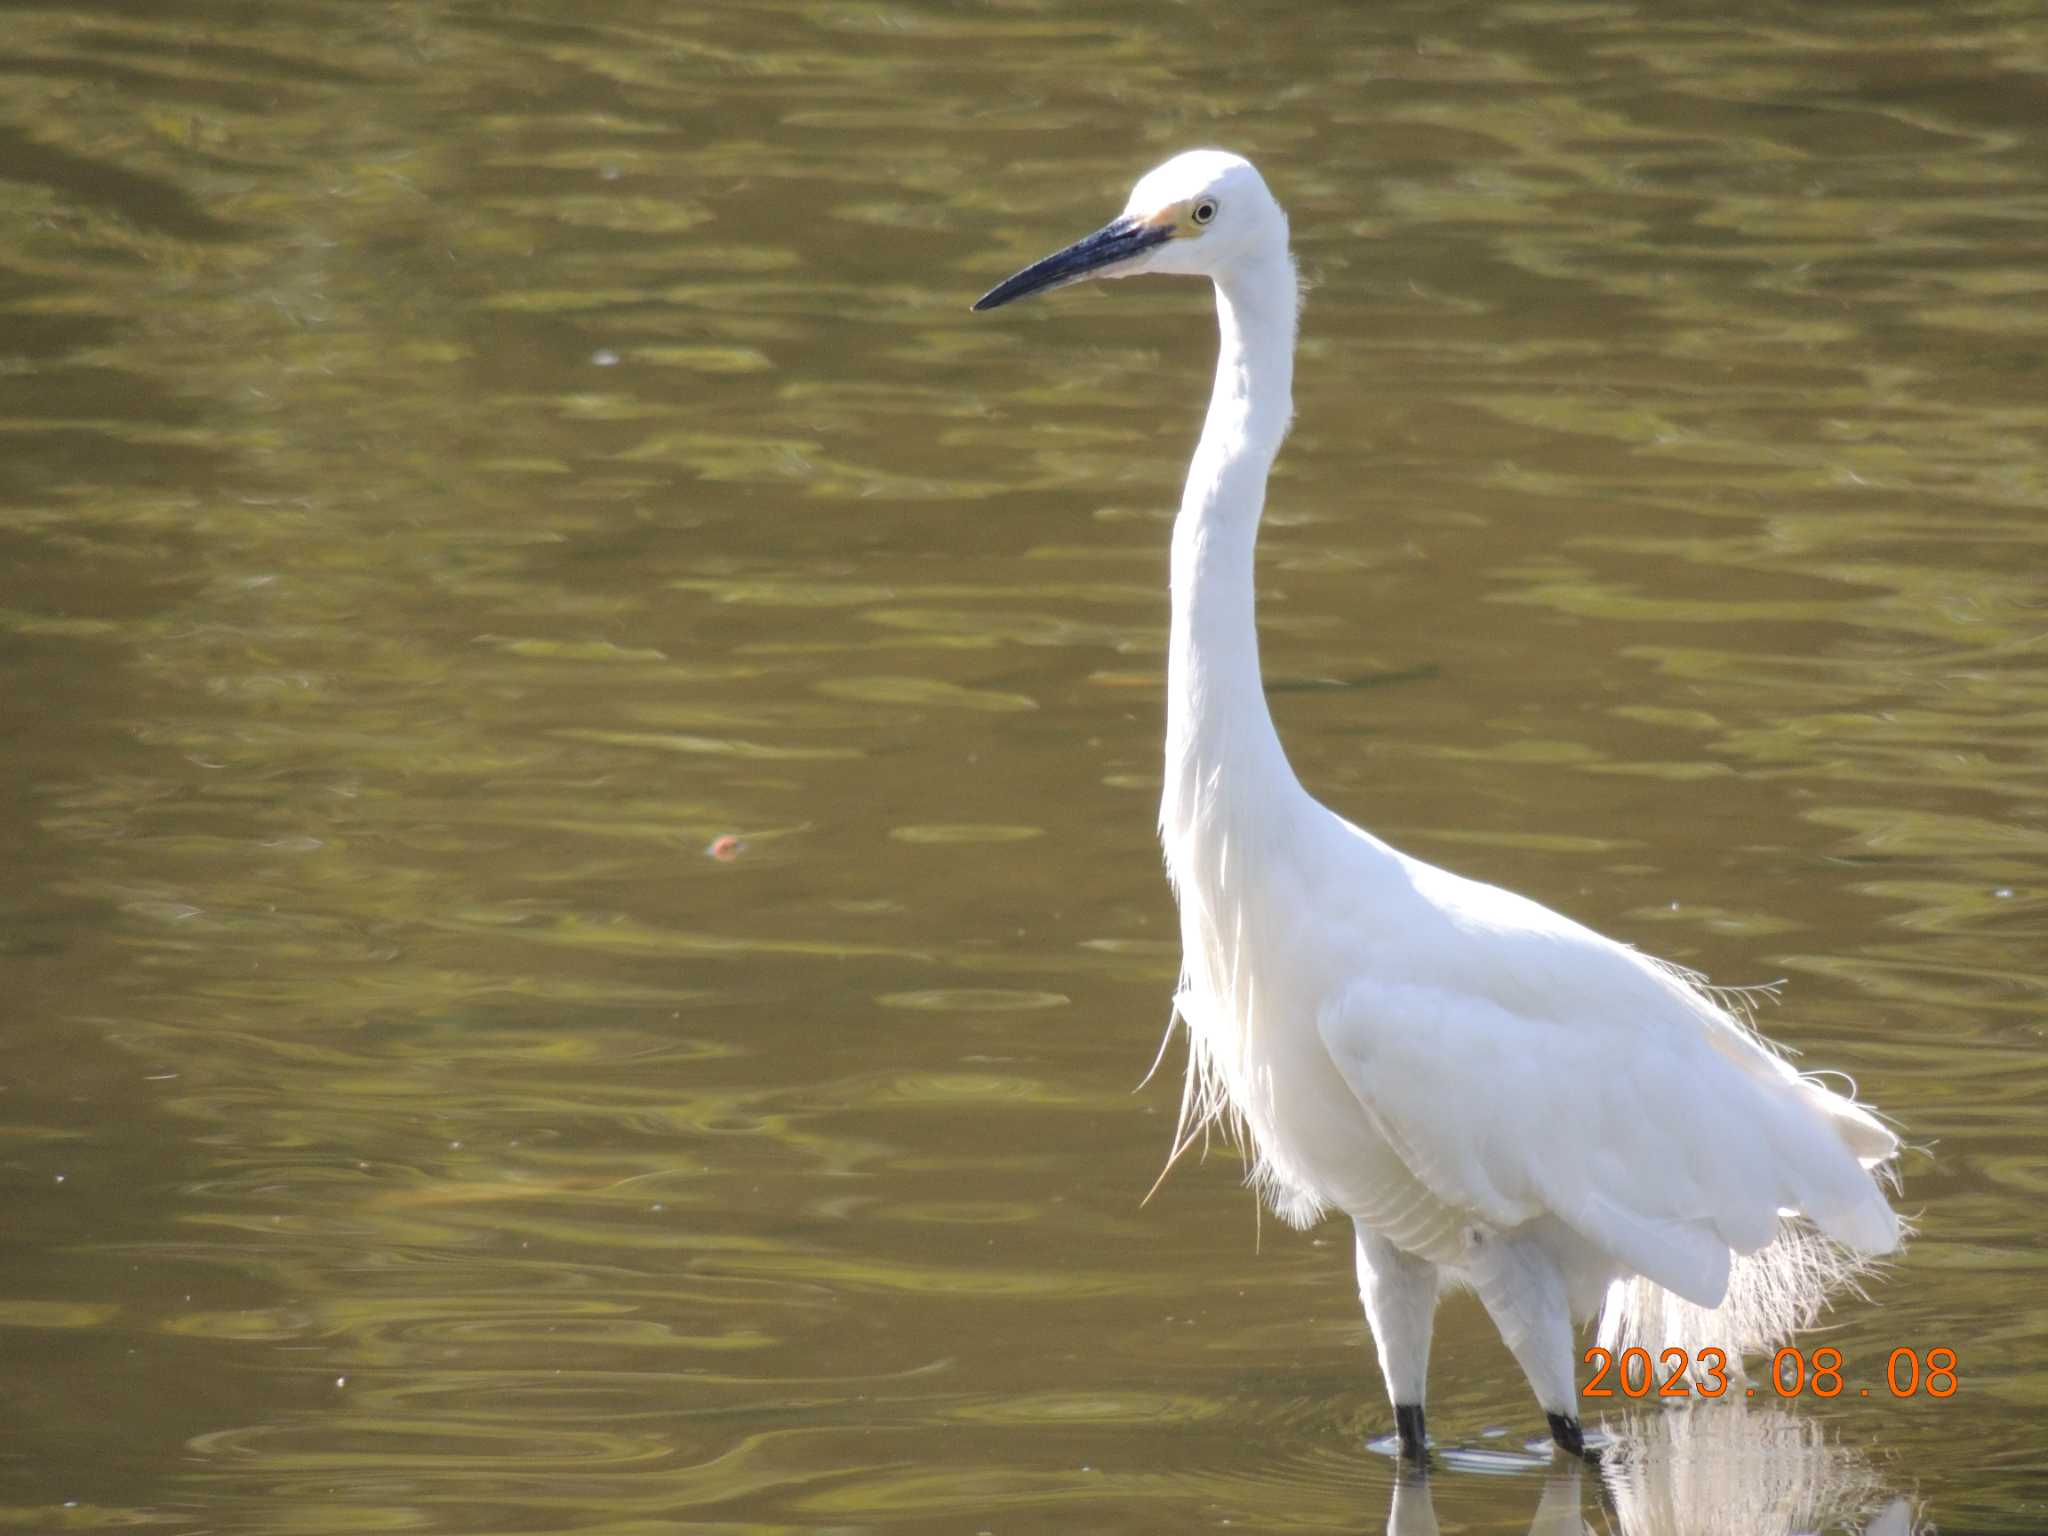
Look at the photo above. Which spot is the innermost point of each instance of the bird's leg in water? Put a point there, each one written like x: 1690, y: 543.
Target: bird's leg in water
x: 1523, y: 1290
x: 1570, y: 1437
x: 1399, y: 1292
x: 1408, y: 1425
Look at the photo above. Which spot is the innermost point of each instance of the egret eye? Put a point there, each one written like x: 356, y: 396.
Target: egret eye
x: 1205, y: 210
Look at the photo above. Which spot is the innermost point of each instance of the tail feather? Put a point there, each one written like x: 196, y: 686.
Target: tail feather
x: 1834, y: 1220
x: 1774, y: 1293
x: 1873, y: 1142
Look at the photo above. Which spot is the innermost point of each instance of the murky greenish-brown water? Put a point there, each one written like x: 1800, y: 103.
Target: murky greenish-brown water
x: 459, y: 461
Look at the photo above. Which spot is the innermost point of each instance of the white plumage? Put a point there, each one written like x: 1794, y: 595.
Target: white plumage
x: 1494, y: 1094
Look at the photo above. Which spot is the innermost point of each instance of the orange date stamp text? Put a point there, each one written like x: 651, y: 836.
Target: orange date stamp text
x: 1683, y: 1373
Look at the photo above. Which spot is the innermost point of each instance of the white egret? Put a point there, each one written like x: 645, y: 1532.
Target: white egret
x: 1495, y: 1095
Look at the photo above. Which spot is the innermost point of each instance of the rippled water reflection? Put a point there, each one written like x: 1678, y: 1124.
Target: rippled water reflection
x: 461, y: 463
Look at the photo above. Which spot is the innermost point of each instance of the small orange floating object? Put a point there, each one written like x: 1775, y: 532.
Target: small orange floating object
x: 725, y: 847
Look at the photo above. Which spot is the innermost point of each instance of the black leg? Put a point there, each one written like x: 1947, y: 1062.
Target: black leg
x: 1570, y: 1437
x: 1408, y: 1424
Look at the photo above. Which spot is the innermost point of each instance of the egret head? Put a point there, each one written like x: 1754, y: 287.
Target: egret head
x: 1202, y: 213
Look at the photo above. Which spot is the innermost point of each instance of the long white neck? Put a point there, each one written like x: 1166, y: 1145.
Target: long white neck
x: 1221, y: 749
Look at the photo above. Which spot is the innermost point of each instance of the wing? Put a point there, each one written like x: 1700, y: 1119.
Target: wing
x: 1624, y: 1117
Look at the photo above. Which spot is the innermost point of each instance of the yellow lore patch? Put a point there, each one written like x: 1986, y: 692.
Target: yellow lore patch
x: 1176, y: 218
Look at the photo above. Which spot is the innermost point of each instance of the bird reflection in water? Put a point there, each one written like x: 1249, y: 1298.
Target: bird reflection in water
x: 1698, y: 1471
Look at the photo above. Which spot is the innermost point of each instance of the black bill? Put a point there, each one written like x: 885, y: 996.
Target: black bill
x: 1119, y: 240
